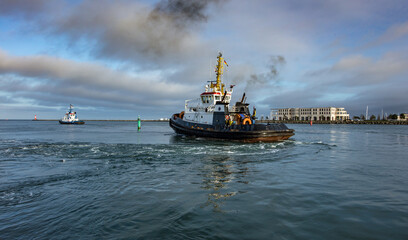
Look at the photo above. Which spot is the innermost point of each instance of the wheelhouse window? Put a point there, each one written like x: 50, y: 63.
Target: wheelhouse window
x: 206, y: 99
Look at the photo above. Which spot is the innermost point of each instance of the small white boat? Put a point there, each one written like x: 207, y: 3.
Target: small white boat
x: 70, y: 117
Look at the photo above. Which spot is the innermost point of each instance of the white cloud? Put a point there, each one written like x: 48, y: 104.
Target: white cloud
x: 86, y: 80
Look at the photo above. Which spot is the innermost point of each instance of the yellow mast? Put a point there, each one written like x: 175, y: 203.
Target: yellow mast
x: 219, y: 71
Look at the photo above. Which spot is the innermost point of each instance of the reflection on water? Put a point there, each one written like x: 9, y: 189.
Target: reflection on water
x: 339, y: 137
x: 401, y: 139
x: 218, y: 174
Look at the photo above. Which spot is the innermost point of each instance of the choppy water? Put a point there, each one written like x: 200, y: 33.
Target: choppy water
x: 106, y: 180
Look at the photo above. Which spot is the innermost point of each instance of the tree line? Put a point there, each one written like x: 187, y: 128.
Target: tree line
x: 378, y: 118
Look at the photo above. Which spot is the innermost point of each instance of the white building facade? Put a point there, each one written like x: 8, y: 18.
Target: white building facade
x: 310, y: 114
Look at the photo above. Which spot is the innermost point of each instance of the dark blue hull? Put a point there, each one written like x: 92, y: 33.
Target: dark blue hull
x: 76, y: 122
x: 248, y: 133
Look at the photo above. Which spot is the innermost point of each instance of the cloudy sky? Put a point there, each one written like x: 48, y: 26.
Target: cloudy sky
x: 121, y: 59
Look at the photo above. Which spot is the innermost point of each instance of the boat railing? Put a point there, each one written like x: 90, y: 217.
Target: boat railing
x: 194, y: 105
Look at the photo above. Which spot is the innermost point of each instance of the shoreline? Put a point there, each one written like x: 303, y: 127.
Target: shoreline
x: 86, y: 120
x: 375, y: 122
x: 381, y: 122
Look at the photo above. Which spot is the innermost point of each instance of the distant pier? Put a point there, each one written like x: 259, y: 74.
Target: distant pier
x: 135, y: 120
x: 375, y: 122
x: 378, y: 122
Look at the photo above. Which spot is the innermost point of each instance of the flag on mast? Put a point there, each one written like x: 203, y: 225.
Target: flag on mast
x: 226, y: 63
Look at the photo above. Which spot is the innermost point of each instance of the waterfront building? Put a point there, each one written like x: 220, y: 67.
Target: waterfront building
x: 308, y: 114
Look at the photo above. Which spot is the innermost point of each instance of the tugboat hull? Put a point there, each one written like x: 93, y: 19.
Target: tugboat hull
x: 246, y: 133
x: 73, y: 122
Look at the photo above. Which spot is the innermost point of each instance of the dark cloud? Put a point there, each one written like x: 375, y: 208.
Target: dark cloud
x: 183, y: 12
x: 164, y: 34
x: 247, y: 75
x: 125, y: 31
x: 275, y: 63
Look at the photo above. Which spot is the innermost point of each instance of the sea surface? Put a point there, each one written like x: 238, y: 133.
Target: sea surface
x: 106, y: 180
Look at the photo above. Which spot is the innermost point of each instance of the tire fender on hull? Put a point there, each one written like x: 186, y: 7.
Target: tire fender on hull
x: 247, y: 121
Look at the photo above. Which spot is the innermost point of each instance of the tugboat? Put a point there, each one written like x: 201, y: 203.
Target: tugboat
x: 211, y: 116
x: 70, y: 117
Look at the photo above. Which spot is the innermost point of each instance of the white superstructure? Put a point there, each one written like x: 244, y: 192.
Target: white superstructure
x: 70, y: 116
x: 201, y: 110
x: 308, y: 114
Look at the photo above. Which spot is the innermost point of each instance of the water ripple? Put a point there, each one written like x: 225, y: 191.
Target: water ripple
x: 327, y: 182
